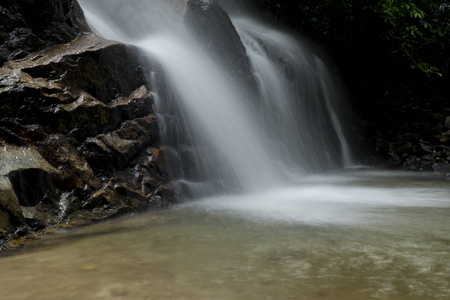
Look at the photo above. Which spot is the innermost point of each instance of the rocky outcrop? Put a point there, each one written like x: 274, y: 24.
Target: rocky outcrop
x: 78, y: 135
x: 28, y: 26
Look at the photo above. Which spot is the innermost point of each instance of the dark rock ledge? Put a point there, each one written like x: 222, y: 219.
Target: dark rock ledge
x: 78, y: 135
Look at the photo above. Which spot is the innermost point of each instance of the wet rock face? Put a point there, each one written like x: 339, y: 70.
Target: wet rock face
x: 11, y: 217
x: 26, y: 179
x: 208, y: 22
x: 27, y: 26
x: 77, y: 128
x: 32, y: 186
x: 81, y: 70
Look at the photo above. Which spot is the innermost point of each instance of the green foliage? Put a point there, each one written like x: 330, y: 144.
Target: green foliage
x: 419, y: 31
x: 412, y: 32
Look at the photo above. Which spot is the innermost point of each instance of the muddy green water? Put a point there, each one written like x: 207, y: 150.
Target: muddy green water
x: 356, y: 235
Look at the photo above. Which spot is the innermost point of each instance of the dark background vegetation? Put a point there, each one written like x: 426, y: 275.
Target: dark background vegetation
x: 394, y: 58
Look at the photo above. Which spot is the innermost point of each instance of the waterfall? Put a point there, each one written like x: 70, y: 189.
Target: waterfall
x: 224, y: 131
x: 298, y: 97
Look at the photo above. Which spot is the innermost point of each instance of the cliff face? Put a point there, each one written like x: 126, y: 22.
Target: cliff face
x: 78, y: 135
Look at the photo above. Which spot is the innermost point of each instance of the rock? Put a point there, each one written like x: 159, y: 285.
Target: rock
x: 447, y: 122
x: 445, y: 137
x: 11, y: 216
x: 208, y: 21
x: 33, y: 218
x: 426, y: 147
x: 74, y: 169
x: 104, y: 198
x: 164, y: 196
x: 18, y: 158
x: 33, y: 186
x: 27, y: 180
x: 118, y: 148
x: 29, y: 174
x: 441, y: 168
x: 71, y: 77
x: 136, y: 188
x: 159, y: 160
x: 28, y: 26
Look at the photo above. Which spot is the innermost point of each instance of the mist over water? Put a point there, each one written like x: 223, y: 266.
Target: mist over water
x: 360, y: 199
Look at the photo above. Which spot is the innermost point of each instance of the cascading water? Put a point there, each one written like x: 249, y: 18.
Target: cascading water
x: 222, y: 135
x: 299, y: 102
